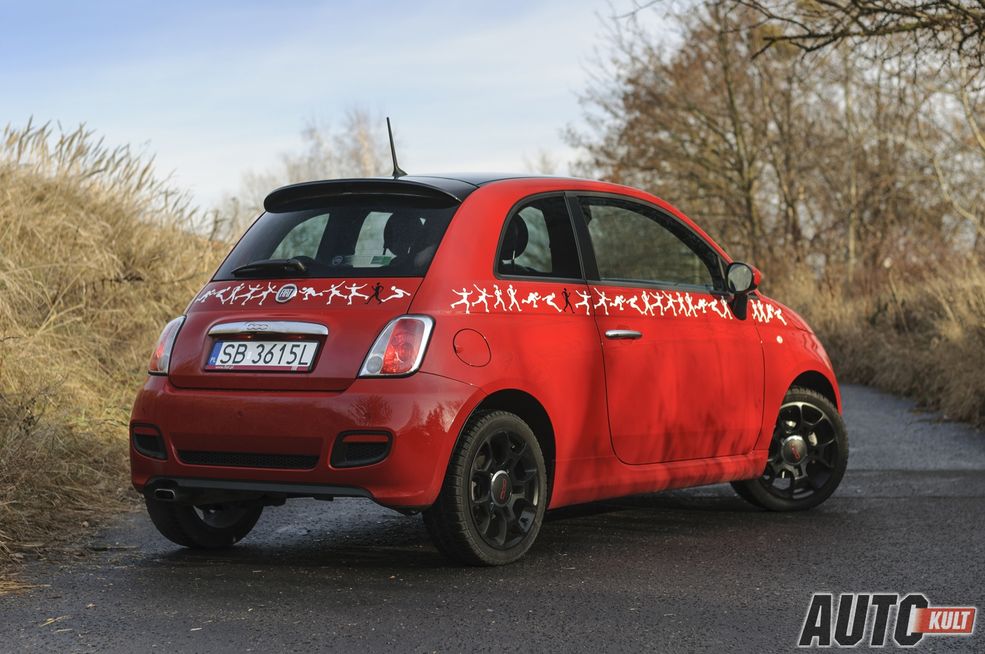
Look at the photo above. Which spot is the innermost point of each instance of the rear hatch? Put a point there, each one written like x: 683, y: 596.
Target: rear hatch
x: 302, y: 297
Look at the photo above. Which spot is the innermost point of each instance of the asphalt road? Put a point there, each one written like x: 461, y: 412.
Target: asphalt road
x: 694, y: 570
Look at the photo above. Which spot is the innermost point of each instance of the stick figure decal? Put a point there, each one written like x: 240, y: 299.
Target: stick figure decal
x: 549, y: 301
x: 499, y: 297
x: 482, y: 299
x: 464, y: 294
x: 585, y: 302
x: 567, y: 301
x: 513, y: 303
x: 307, y: 293
x: 533, y: 297
x: 376, y: 294
x: 334, y: 292
x: 353, y: 289
x: 676, y: 304
x: 267, y: 292
x: 251, y: 293
x: 243, y: 294
x: 603, y: 301
x: 235, y: 291
x: 396, y: 294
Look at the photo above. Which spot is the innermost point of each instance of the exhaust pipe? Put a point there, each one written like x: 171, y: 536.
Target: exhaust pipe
x: 165, y: 494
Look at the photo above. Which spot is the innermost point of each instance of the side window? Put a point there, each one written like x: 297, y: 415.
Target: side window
x: 539, y: 241
x: 303, y: 240
x: 636, y: 243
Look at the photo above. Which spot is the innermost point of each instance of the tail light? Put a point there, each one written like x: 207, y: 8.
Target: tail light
x: 399, y: 349
x: 161, y: 359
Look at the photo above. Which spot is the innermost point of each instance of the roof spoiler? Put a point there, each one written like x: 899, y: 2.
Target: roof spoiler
x: 308, y: 193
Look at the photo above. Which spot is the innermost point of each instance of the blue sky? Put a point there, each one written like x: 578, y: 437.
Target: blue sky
x: 214, y: 88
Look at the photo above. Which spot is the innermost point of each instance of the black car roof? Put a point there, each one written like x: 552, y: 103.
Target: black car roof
x: 456, y: 186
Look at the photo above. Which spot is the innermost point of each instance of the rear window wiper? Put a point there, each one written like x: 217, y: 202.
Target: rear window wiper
x: 271, y: 265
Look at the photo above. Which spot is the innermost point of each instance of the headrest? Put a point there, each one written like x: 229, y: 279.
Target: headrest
x: 400, y: 233
x: 515, y: 239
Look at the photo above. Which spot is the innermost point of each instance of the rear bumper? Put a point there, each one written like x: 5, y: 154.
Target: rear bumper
x: 423, y: 414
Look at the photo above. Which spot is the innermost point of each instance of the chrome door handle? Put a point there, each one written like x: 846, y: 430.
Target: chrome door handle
x: 623, y: 334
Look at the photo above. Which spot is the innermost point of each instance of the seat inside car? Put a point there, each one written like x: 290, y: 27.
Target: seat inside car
x: 402, y: 237
x: 514, y: 244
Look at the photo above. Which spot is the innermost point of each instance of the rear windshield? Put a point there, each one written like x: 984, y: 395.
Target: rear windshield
x: 374, y: 236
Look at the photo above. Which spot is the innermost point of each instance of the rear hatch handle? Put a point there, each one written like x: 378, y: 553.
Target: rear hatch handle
x: 269, y: 327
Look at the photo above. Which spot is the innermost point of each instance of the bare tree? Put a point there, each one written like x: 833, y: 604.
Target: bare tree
x: 831, y: 164
x: 947, y: 27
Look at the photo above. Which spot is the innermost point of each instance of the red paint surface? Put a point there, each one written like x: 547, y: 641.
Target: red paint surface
x: 691, y: 402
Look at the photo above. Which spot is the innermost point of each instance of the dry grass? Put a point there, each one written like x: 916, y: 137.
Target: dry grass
x: 924, y: 338
x: 96, y: 255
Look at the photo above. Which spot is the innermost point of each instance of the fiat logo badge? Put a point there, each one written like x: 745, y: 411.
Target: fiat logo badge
x: 286, y: 293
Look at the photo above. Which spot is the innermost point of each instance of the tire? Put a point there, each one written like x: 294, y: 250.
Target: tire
x: 807, y: 457
x: 494, y: 496
x: 207, y: 527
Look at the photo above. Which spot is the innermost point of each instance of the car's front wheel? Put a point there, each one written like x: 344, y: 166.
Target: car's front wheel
x: 494, y: 496
x: 211, y: 526
x: 807, y: 456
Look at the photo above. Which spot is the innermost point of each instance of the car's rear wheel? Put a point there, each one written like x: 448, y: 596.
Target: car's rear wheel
x: 211, y: 526
x: 807, y: 457
x: 494, y: 496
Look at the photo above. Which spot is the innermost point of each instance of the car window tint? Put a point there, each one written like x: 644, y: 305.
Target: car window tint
x: 350, y: 236
x: 636, y: 243
x: 303, y: 240
x: 539, y: 241
x: 370, y: 240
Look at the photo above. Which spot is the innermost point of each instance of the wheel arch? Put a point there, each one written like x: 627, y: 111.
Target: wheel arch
x: 819, y: 382
x: 532, y: 412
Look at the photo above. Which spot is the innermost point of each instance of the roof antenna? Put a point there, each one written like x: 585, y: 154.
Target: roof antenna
x: 397, y: 171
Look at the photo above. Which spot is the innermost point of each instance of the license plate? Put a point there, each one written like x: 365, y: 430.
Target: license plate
x: 288, y: 356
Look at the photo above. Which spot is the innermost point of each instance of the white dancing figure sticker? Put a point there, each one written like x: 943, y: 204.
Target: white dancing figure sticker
x: 348, y: 292
x: 678, y: 304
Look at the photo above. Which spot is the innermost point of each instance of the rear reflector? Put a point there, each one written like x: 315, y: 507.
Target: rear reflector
x: 354, y: 449
x: 148, y: 441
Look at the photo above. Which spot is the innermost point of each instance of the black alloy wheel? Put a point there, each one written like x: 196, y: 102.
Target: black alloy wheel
x: 494, y: 496
x: 807, y: 457
x: 503, y: 491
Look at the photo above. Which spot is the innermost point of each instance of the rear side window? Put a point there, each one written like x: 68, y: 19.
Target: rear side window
x: 538, y: 241
x: 356, y: 236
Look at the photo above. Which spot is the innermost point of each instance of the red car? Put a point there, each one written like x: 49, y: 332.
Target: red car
x: 477, y: 349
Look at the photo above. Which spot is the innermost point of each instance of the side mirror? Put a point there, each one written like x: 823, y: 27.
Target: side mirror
x: 742, y: 278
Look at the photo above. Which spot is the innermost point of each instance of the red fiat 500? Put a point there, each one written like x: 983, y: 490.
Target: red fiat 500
x: 478, y: 349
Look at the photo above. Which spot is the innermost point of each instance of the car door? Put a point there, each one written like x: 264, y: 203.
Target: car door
x: 684, y: 375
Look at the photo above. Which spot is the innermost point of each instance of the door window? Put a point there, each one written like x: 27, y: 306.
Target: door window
x: 635, y: 243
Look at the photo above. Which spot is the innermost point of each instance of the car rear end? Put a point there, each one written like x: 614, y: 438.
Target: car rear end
x: 294, y: 371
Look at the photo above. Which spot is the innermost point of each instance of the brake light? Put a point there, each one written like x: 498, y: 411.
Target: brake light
x: 399, y: 349
x: 161, y: 358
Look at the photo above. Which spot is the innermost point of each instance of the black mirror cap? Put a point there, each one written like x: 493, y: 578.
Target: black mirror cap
x: 741, y: 278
